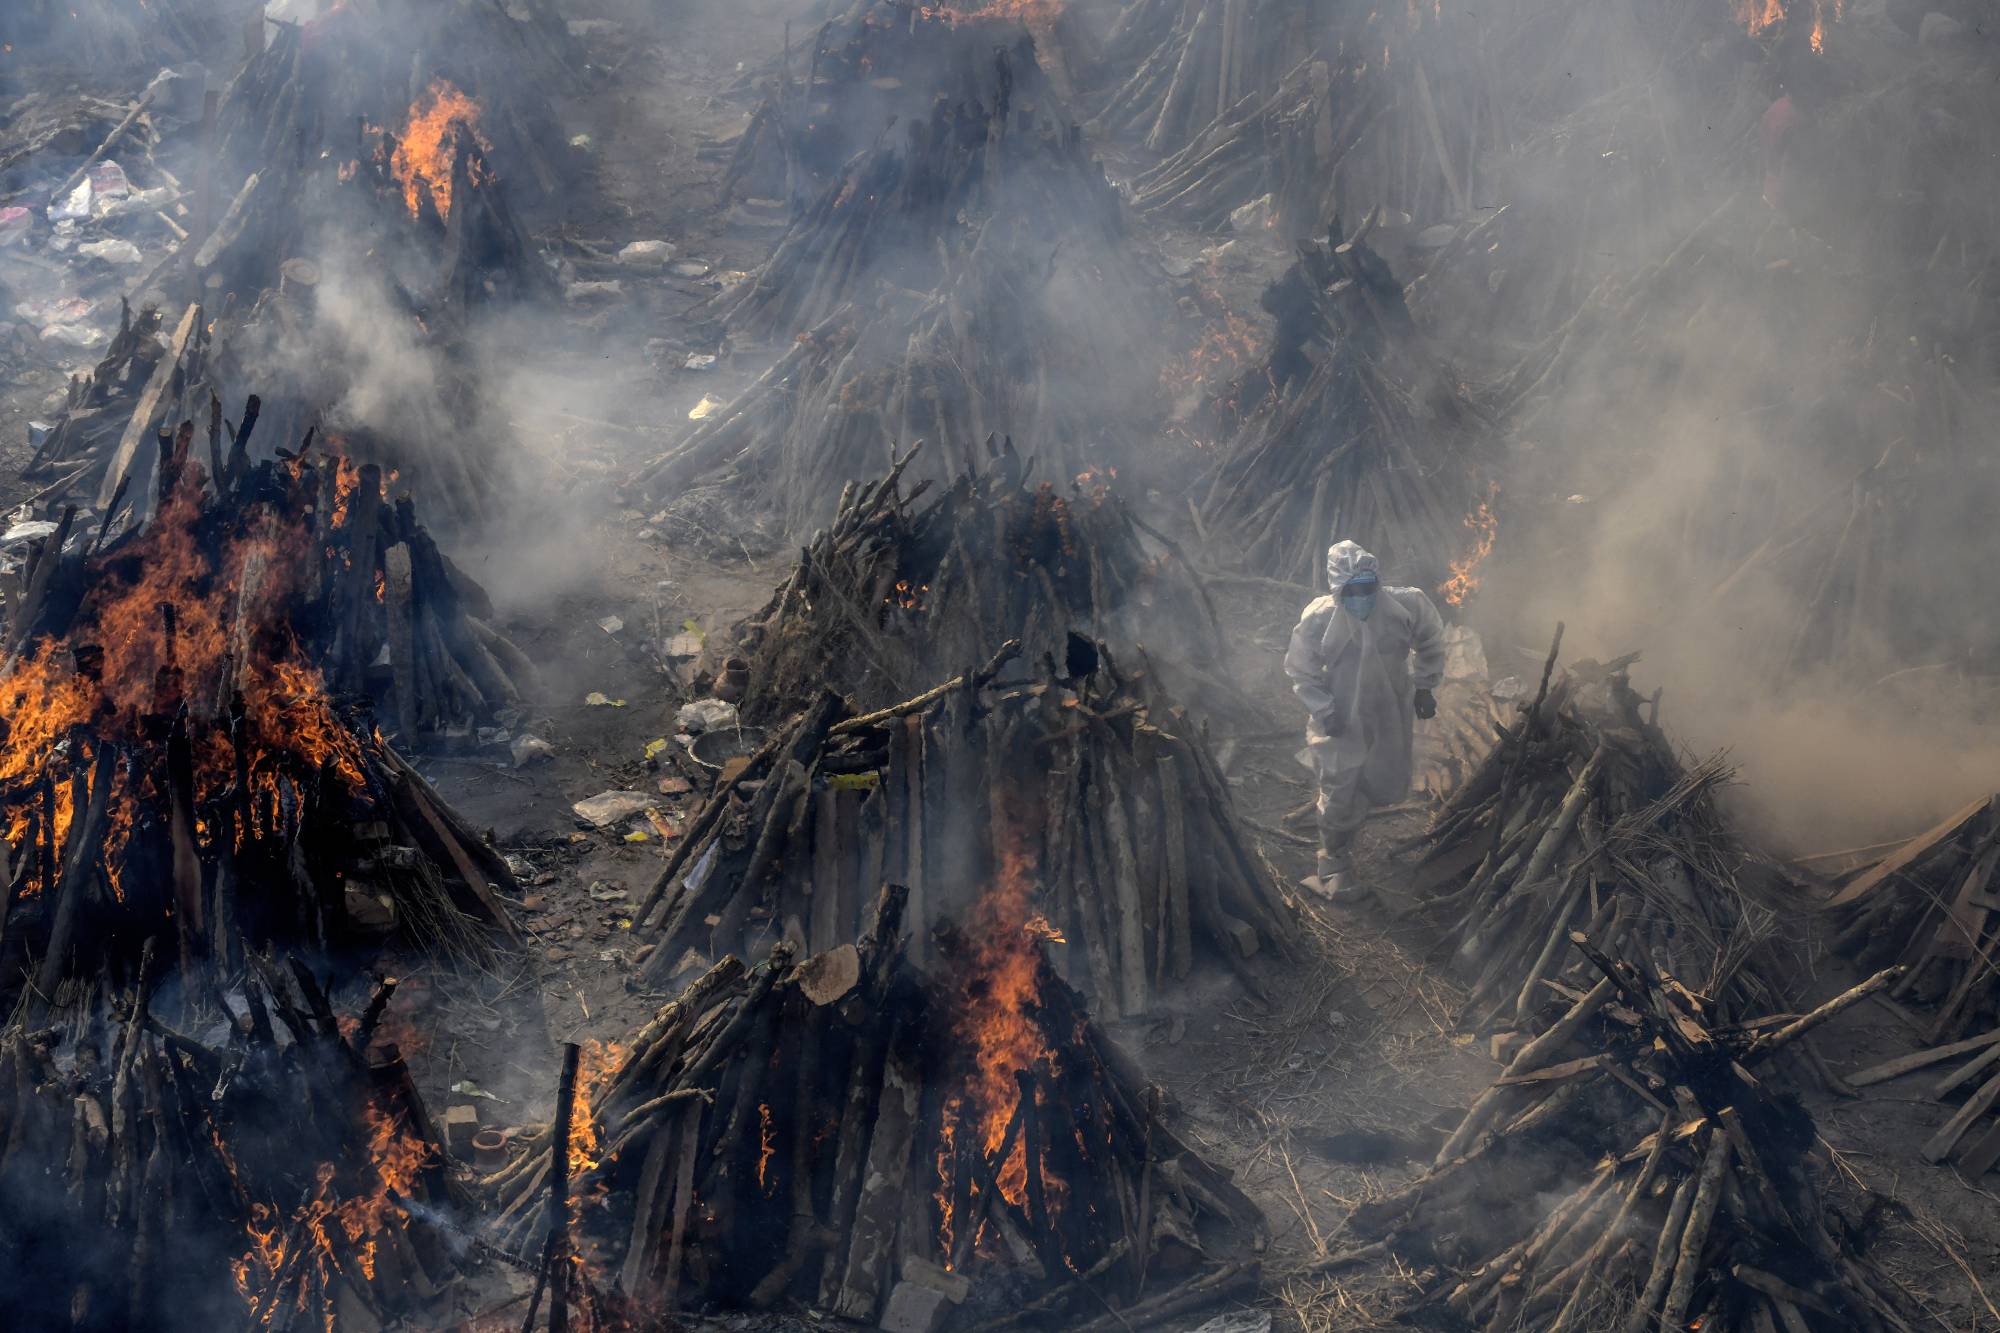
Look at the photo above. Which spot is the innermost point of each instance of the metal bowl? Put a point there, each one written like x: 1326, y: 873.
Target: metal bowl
x: 713, y: 749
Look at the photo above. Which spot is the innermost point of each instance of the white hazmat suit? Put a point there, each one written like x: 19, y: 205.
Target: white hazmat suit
x: 1356, y: 679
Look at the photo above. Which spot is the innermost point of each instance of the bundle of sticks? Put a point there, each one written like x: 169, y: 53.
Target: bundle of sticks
x: 1085, y: 787
x: 97, y: 405
x: 895, y: 215
x: 278, y: 1179
x: 1582, y: 818
x: 175, y: 765
x: 1174, y: 67
x: 905, y: 586
x: 1351, y: 425
x: 1013, y: 341
x: 1707, y: 1206
x: 823, y: 1131
x: 1933, y: 904
x: 880, y: 63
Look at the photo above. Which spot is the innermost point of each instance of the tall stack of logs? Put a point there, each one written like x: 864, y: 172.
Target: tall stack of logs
x: 175, y: 765
x: 788, y: 1132
x: 281, y: 1178
x: 1582, y: 819
x: 1690, y: 1191
x: 905, y: 586
x: 1352, y: 426
x: 1082, y: 787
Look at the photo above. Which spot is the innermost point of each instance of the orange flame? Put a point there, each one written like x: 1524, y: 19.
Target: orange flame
x: 1485, y: 529
x: 424, y: 154
x: 596, y: 1066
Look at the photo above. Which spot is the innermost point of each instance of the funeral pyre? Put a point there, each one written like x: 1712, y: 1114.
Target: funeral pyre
x: 280, y: 1176
x: 1583, y: 819
x: 182, y: 760
x: 1689, y: 1191
x: 883, y: 1145
x: 1352, y: 424
x: 906, y: 586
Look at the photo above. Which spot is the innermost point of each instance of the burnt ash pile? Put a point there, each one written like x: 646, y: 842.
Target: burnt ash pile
x: 909, y: 585
x: 181, y: 761
x: 962, y: 1149
x: 880, y: 65
x: 1353, y: 425
x: 1582, y: 819
x: 1080, y: 783
x: 1706, y: 1202
x: 280, y: 1177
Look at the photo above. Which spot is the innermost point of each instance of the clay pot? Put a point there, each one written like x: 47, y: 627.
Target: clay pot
x: 489, y: 1150
x: 734, y: 682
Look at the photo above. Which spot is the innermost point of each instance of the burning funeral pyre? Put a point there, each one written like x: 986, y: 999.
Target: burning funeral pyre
x: 1352, y: 425
x: 180, y: 763
x: 884, y: 1145
x: 904, y: 587
x: 277, y: 1178
x: 1583, y: 820
x: 1078, y: 783
x: 1706, y: 1202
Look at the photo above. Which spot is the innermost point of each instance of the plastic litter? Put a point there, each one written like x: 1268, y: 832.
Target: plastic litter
x: 706, y: 715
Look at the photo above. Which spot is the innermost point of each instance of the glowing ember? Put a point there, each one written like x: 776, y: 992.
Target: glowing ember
x: 425, y: 152
x: 1485, y: 528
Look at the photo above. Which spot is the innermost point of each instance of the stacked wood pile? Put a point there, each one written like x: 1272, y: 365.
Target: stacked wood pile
x: 1351, y: 427
x: 880, y: 64
x: 815, y: 1131
x: 1707, y: 1204
x: 1970, y: 1138
x: 1012, y: 343
x: 278, y: 1179
x: 906, y: 585
x: 98, y: 405
x: 895, y: 216
x: 1079, y: 781
x: 1582, y: 819
x: 1933, y: 905
x: 176, y: 763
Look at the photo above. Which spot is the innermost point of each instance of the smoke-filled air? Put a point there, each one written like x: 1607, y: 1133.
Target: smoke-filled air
x: 1210, y: 666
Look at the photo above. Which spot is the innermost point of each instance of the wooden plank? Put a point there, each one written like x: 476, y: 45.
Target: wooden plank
x: 1909, y: 1064
x: 1981, y: 1156
x: 872, y: 1238
x: 1941, y: 1143
x: 140, y: 427
x: 827, y: 846
x: 1911, y: 852
x: 1966, y: 1073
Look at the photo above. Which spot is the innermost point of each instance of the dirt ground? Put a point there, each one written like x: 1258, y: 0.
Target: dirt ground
x: 1335, y: 1088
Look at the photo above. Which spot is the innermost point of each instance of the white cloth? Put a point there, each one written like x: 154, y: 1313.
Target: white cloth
x: 1357, y: 681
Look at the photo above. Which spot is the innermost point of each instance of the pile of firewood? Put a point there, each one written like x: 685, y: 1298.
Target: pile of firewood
x: 1582, y: 819
x: 282, y: 1178
x: 1933, y: 905
x: 1080, y: 782
x: 880, y: 64
x: 97, y: 407
x: 906, y: 586
x: 1692, y: 1193
x: 832, y: 1131
x: 1352, y: 426
x: 895, y: 215
x: 1011, y: 343
x: 176, y: 762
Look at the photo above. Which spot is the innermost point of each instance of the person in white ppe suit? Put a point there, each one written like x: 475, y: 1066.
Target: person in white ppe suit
x: 1364, y: 660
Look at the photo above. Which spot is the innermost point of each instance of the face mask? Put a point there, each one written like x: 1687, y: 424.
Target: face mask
x: 1359, y: 605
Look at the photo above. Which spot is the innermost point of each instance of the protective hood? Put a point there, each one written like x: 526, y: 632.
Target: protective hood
x: 1346, y: 561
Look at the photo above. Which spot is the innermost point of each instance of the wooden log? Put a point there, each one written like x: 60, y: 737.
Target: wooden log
x: 873, y: 1230
x: 1174, y: 869
x: 1798, y: 1027
x: 1530, y: 1057
x: 1665, y: 1250
x: 1694, y: 1240
x: 402, y: 638
x: 147, y: 410
x: 1909, y: 1064
x: 1940, y: 1144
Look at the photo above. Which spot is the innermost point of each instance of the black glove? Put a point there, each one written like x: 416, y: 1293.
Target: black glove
x: 1427, y: 705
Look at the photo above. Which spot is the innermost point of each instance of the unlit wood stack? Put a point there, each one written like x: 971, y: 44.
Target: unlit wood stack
x: 283, y: 1177
x: 908, y: 584
x: 1582, y: 818
x: 1076, y: 784
x: 1933, y: 905
x: 1688, y: 1191
x: 1351, y: 428
x: 826, y: 1132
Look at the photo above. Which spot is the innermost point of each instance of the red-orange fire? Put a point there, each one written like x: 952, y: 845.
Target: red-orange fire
x: 424, y: 154
x: 167, y: 625
x: 1485, y: 529
x: 1761, y: 16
